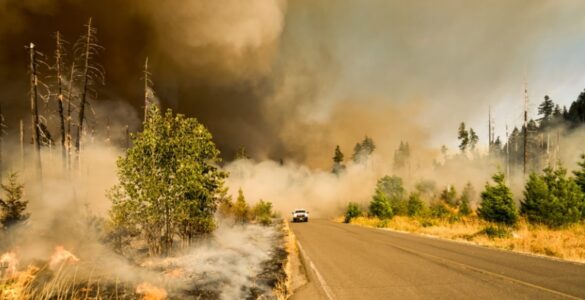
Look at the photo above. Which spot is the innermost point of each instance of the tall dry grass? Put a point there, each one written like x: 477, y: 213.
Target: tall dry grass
x: 566, y: 243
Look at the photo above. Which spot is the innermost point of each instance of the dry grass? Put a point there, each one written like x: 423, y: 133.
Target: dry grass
x: 566, y: 243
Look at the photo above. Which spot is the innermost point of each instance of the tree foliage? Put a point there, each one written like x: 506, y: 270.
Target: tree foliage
x: 241, y: 209
x: 402, y: 156
x: 380, y: 206
x: 497, y: 204
x: 352, y: 211
x: 552, y: 198
x: 338, y: 165
x: 262, y: 212
x: 415, y: 206
x: 465, y: 201
x: 362, y: 151
x: 463, y: 137
x: 13, y: 207
x: 169, y: 182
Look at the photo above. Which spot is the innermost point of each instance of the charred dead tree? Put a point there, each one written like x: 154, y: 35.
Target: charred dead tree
x: 68, y: 136
x: 34, y: 95
x: 59, y: 53
x: 22, y: 144
x: 87, y: 49
x: 147, y: 90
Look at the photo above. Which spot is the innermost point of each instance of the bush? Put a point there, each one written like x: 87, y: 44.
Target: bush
x: 352, y: 211
x: 552, y: 199
x: 262, y: 212
x: 449, y: 196
x: 497, y: 204
x: 380, y: 206
x: 415, y: 205
x: 438, y: 209
x: 464, y: 201
x: 496, y: 232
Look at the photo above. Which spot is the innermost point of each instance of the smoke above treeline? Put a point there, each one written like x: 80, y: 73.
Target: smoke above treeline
x: 292, y: 79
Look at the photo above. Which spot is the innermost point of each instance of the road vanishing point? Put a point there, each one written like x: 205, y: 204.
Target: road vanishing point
x: 344, y: 261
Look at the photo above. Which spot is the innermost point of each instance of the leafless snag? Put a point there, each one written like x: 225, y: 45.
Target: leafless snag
x: 59, y: 55
x: 34, y: 94
x: 87, y: 49
x: 148, y: 92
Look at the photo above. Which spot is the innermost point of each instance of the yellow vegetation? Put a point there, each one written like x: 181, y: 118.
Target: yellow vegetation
x: 566, y: 243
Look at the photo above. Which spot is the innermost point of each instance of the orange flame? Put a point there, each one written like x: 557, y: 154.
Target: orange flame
x: 151, y: 292
x: 9, y: 262
x: 61, y: 256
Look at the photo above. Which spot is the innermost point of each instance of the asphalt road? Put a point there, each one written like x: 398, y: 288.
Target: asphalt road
x: 351, y: 262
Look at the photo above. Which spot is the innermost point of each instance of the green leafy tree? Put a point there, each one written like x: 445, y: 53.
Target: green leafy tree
x: 465, y: 200
x: 353, y: 211
x: 262, y: 212
x: 169, y: 182
x: 463, y: 137
x: 380, y: 206
x: 393, y: 190
x: 552, y: 199
x: 13, y: 207
x: 338, y: 165
x: 497, y: 204
x: 414, y: 205
x: 241, y: 209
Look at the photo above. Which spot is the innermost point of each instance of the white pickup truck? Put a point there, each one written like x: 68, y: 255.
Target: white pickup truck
x: 300, y: 215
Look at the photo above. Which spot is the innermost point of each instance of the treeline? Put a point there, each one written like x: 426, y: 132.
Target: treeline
x: 552, y: 198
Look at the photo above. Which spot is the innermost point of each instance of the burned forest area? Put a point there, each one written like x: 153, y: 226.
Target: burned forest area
x: 90, y: 210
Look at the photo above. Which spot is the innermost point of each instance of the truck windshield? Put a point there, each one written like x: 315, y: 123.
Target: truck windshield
x: 299, y: 211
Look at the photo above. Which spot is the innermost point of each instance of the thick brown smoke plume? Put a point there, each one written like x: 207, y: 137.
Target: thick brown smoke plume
x: 293, y: 79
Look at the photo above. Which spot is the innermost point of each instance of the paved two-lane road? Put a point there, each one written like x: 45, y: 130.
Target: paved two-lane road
x: 351, y: 262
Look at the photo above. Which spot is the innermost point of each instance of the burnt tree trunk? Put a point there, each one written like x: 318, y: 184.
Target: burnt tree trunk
x: 34, y: 107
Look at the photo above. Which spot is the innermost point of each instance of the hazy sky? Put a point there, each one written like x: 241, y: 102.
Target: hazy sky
x: 293, y: 79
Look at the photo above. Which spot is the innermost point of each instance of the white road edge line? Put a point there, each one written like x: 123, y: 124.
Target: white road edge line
x: 322, y: 281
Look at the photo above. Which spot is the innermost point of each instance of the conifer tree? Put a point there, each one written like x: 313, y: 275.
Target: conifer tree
x: 497, y: 204
x: 13, y: 207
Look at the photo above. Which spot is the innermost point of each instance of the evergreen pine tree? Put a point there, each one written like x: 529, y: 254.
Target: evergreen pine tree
x: 497, y: 204
x: 12, y: 209
x: 552, y: 198
x: 338, y: 165
x: 241, y: 210
x: 463, y: 137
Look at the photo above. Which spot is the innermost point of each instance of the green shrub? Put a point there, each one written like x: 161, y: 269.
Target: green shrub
x: 415, y: 205
x: 352, y: 211
x: 438, y: 209
x: 464, y: 201
x: 552, y: 199
x: 449, y: 196
x: 496, y: 232
x: 382, y: 224
x: 240, y: 208
x: 380, y: 206
x: 262, y: 212
x: 497, y: 204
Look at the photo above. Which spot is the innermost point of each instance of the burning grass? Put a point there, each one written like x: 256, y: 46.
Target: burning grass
x: 238, y: 262
x: 566, y: 243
